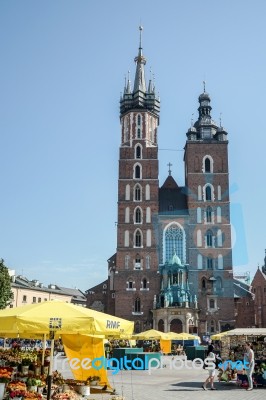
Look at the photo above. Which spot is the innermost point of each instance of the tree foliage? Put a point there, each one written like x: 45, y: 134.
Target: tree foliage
x: 6, y: 294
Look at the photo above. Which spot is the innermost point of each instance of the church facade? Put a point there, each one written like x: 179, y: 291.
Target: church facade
x: 172, y: 269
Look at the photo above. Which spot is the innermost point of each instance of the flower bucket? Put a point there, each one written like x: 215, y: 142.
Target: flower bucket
x: 84, y: 390
x: 33, y: 388
x: 25, y: 369
x: 2, y: 390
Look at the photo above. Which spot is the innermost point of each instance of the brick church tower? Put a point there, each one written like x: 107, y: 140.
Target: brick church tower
x: 209, y: 230
x: 135, y: 280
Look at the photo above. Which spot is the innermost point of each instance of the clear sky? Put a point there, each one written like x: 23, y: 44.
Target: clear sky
x: 62, y: 68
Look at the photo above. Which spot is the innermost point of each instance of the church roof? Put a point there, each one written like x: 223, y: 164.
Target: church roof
x: 172, y: 198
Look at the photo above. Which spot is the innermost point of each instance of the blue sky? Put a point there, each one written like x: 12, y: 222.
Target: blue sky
x: 62, y: 70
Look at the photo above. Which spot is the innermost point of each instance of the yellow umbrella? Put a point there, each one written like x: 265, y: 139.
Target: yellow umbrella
x: 58, y: 318
x: 61, y: 318
x: 151, y: 334
x: 219, y: 336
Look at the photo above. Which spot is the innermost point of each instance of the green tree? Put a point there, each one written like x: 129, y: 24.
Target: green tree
x: 6, y: 294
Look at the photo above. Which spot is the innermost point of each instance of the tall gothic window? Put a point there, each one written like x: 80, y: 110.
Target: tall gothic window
x: 137, y: 193
x: 138, y: 152
x: 137, y: 172
x: 209, y: 238
x: 138, y: 216
x: 207, y: 165
x: 138, y: 239
x: 209, y: 214
x: 137, y: 305
x: 174, y: 243
x: 208, y: 193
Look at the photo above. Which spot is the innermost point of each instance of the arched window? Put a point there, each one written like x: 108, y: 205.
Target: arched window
x: 209, y: 262
x: 126, y: 241
x: 199, y: 238
x: 137, y: 305
x: 138, y: 216
x: 148, y: 194
x: 208, y: 214
x: 144, y: 283
x: 208, y: 193
x: 148, y: 238
x: 148, y: 262
x: 198, y: 215
x: 219, y: 215
x: 127, y: 211
x: 209, y: 238
x: 138, y: 239
x: 148, y: 215
x: 127, y: 192
x: 203, y: 283
x: 174, y: 242
x: 139, y: 120
x: 199, y: 193
x: 219, y: 238
x: 137, y: 172
x: 220, y: 261
x: 199, y: 257
x: 137, y: 193
x: 127, y: 258
x: 207, y: 165
x: 219, y: 192
x: 138, y: 151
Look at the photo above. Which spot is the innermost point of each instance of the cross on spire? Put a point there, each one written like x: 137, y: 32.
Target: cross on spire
x: 169, y: 170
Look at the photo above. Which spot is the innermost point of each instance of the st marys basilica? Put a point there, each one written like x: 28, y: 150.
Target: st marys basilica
x: 172, y: 269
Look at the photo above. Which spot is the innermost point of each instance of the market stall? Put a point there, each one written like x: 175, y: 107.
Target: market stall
x: 56, y: 319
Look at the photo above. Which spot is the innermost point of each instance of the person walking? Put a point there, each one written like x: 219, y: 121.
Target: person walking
x: 249, y: 358
x: 210, y: 366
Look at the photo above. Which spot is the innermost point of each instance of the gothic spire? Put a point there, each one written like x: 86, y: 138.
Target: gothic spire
x: 140, y: 60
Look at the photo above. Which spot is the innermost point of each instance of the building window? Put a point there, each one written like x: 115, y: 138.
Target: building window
x: 138, y: 239
x: 199, y: 238
x: 137, y: 172
x: 144, y: 283
x: 220, y: 261
x: 148, y: 194
x: 34, y: 299
x: 137, y: 262
x: 127, y: 258
x: 130, y: 284
x: 203, y: 284
x: 209, y: 214
x: 113, y: 295
x: 45, y: 299
x: 39, y: 300
x: 148, y: 215
x: 219, y: 192
x: 198, y: 215
x: 208, y: 193
x: 148, y: 262
x: 219, y: 238
x: 138, y: 216
x: 127, y: 215
x: 126, y: 241
x: 127, y: 192
x: 199, y: 261
x: 24, y: 299
x: 209, y: 262
x: 207, y: 165
x: 137, y: 193
x: 219, y: 215
x: 209, y: 239
x: 138, y: 151
x: 174, y: 238
x: 137, y: 305
x: 199, y: 193
x: 148, y: 238
x: 211, y: 303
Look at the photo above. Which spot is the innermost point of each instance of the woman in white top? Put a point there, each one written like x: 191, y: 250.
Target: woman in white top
x: 249, y: 358
x: 210, y: 366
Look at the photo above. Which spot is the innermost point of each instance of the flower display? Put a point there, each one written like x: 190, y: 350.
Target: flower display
x: 5, y: 374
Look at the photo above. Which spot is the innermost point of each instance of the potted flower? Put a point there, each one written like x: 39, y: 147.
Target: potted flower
x: 93, y: 380
x: 32, y: 384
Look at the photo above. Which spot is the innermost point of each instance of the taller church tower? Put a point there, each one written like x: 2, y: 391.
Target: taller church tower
x: 135, y: 280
